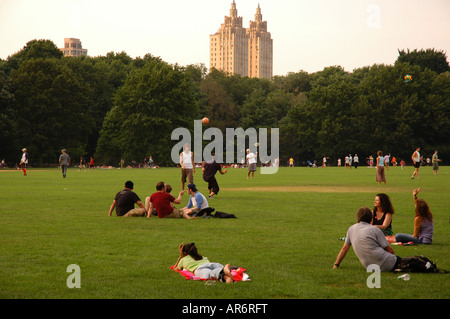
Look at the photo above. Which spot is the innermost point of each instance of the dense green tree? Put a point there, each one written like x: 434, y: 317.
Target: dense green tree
x: 34, y: 49
x: 430, y: 58
x: 8, y: 121
x: 50, y: 108
x: 153, y: 101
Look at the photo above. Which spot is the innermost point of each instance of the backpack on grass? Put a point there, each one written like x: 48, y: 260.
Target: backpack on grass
x: 417, y: 264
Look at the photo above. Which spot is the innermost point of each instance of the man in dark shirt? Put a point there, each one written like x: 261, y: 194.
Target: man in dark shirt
x: 210, y: 168
x: 124, y: 203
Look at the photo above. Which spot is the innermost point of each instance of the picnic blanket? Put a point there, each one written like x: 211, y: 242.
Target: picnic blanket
x: 237, y: 272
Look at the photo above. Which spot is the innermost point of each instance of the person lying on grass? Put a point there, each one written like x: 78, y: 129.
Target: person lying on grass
x: 200, y: 266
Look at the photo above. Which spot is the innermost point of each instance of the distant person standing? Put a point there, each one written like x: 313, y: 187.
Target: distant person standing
x: 381, y: 177
x: 416, y: 161
x: 356, y: 160
x: 387, y: 159
x: 291, y: 162
x: 251, y: 161
x: 81, y: 164
x: 64, y: 162
x: 91, y: 163
x: 24, y: 161
x: 187, y: 166
x: 435, y: 161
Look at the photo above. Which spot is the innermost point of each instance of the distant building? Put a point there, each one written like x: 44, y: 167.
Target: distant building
x: 237, y: 50
x: 73, y: 48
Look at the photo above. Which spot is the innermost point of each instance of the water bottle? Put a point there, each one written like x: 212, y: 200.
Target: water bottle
x: 404, y: 277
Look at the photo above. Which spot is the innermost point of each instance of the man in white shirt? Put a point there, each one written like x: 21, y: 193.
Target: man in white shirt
x: 416, y: 160
x: 251, y: 161
x: 187, y: 166
x: 24, y: 161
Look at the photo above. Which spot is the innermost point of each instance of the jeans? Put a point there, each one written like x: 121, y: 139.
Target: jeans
x: 64, y: 170
x: 406, y: 238
x: 209, y: 270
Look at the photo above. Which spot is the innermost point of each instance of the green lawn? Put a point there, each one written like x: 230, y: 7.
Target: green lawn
x: 286, y: 234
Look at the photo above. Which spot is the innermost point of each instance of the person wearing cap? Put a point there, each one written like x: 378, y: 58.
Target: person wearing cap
x: 197, y: 201
x: 64, y: 162
x: 24, y: 161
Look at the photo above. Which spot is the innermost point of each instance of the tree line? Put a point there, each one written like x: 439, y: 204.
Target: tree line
x: 115, y: 107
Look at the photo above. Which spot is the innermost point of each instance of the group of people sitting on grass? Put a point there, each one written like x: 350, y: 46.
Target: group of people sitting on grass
x: 372, y: 235
x: 161, y: 203
x: 423, y: 220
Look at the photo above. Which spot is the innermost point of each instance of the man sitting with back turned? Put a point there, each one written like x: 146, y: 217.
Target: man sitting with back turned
x: 124, y: 203
x: 369, y: 244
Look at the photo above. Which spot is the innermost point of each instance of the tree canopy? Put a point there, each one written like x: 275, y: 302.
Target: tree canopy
x: 116, y: 107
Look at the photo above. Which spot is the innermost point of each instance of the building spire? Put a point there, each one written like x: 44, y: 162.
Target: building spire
x: 258, y: 15
x: 233, y: 11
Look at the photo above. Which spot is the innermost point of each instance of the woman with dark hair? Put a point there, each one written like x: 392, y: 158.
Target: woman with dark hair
x: 381, y: 162
x: 200, y: 266
x: 382, y: 215
x: 423, y: 224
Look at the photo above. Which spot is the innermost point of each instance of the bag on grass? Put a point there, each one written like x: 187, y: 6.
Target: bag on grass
x: 417, y: 264
x: 205, y: 212
x: 223, y: 215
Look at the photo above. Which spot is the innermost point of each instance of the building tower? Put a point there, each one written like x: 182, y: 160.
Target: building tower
x: 73, y: 48
x: 260, y: 48
x: 229, y: 45
x: 237, y: 50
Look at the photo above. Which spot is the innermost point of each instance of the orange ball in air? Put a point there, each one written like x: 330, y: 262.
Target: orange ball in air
x: 205, y: 120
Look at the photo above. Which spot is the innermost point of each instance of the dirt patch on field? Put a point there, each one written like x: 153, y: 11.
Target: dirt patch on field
x: 314, y: 189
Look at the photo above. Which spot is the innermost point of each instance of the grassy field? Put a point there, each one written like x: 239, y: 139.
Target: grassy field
x: 286, y: 234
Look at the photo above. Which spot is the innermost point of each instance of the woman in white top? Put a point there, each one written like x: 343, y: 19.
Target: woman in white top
x: 416, y: 160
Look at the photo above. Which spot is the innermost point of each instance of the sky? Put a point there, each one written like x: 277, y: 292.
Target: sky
x: 307, y: 35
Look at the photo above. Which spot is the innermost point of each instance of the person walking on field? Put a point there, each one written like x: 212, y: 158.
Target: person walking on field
x: 64, y: 162
x: 435, y: 161
x: 416, y: 160
x: 24, y: 161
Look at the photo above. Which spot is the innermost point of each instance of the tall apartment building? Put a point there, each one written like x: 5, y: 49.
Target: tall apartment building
x: 237, y: 50
x: 72, y: 47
